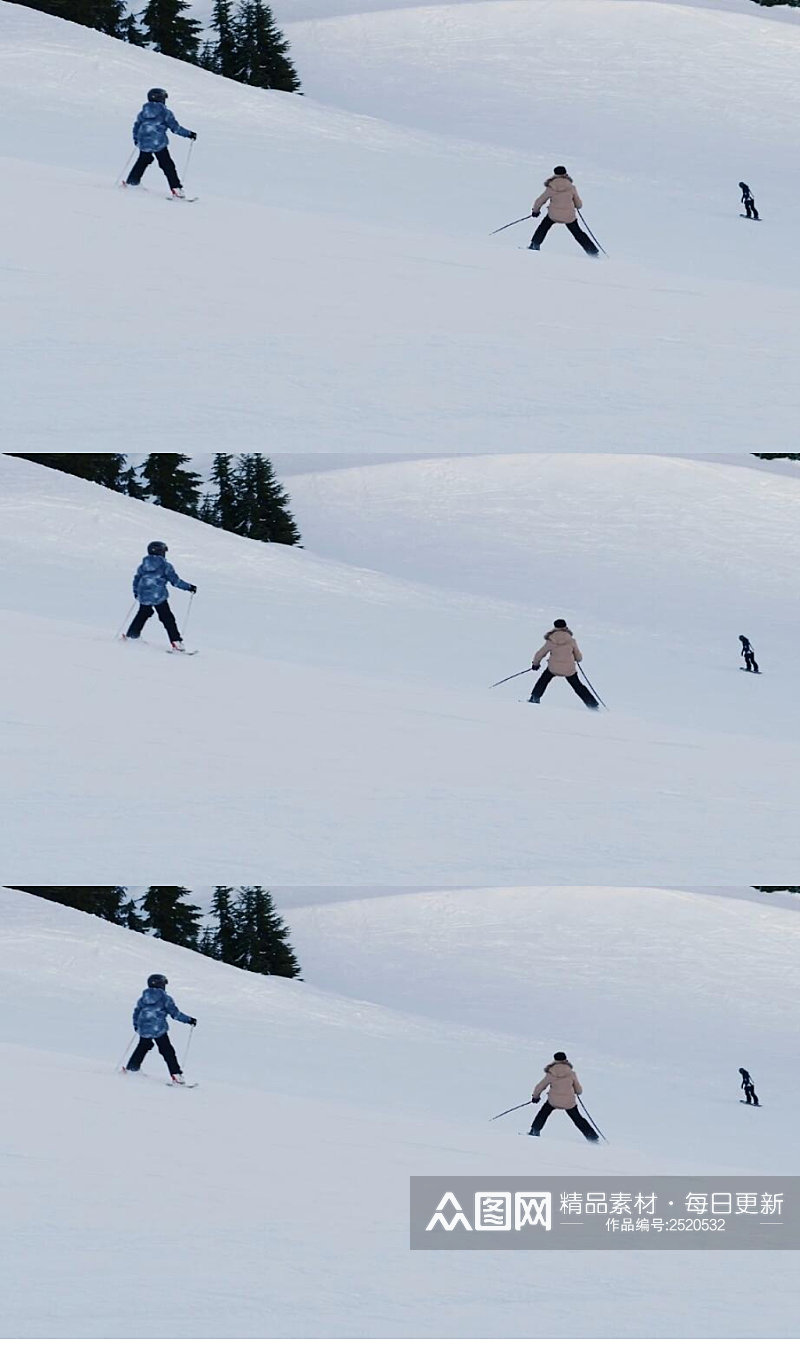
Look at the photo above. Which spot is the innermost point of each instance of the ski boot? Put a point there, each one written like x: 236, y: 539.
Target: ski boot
x: 179, y: 192
x: 178, y: 647
x: 179, y: 1079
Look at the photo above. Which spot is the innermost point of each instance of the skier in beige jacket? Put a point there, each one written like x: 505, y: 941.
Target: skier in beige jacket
x: 563, y: 201
x: 561, y: 1083
x: 563, y: 655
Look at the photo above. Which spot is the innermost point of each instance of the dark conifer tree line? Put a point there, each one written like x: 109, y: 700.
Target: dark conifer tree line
x: 249, y: 46
x: 245, y: 498
x: 243, y: 928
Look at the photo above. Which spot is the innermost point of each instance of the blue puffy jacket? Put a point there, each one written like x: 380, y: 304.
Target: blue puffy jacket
x: 152, y: 578
x: 150, y: 127
x: 151, y: 1013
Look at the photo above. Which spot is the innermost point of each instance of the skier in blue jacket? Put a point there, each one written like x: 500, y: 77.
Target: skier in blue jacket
x: 150, y: 1024
x: 153, y: 576
x: 150, y: 138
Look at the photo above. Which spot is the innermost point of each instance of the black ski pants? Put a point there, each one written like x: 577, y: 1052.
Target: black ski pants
x: 750, y: 1094
x: 165, y: 615
x: 750, y: 662
x: 546, y: 1110
x: 144, y: 1047
x: 574, y: 229
x: 580, y: 689
x: 750, y: 208
x: 166, y: 162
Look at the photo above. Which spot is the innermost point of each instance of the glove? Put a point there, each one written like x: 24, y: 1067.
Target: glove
x: 192, y: 1021
x: 536, y: 214
x: 536, y: 1100
x: 533, y: 667
x: 192, y: 135
x: 193, y: 589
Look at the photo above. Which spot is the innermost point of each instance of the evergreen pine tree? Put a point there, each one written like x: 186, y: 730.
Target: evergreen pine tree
x: 104, y: 15
x: 168, y: 30
x: 168, y: 484
x: 262, y: 50
x: 132, y: 486
x: 225, y: 508
x: 168, y: 917
x: 107, y: 902
x: 227, y: 61
x: 225, y: 934
x: 262, y: 505
x: 131, y: 918
x: 132, y: 33
x: 108, y: 470
x: 262, y: 944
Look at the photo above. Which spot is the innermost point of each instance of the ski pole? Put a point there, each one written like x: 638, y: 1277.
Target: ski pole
x: 188, y: 612
x: 526, y: 671
x: 189, y: 156
x: 591, y: 236
x: 124, y: 1059
x: 513, y: 222
x: 121, y: 177
x: 592, y: 1122
x: 188, y: 1047
x: 512, y: 1108
x: 124, y: 627
x: 591, y: 686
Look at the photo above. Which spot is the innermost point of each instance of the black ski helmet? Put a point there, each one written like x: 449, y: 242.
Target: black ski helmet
x: 560, y: 171
x: 157, y: 981
x: 559, y: 623
x: 157, y: 96
x: 559, y: 1056
x: 157, y: 548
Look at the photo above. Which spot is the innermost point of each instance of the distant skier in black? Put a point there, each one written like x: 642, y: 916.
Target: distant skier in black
x: 748, y: 202
x: 563, y: 1090
x: 749, y: 655
x: 748, y: 1088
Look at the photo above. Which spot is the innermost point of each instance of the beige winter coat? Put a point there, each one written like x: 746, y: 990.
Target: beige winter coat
x: 562, y: 1080
x: 561, y: 650
x: 562, y: 195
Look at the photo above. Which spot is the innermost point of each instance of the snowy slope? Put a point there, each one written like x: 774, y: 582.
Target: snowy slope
x: 336, y: 289
x: 272, y: 1201
x: 338, y: 721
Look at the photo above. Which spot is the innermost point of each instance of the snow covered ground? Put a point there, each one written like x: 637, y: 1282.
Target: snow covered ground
x: 336, y: 287
x: 338, y: 725
x: 272, y: 1201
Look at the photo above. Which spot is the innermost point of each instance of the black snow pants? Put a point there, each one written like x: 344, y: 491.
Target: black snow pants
x: 580, y: 689
x: 750, y: 662
x: 144, y: 1047
x: 750, y: 1094
x: 574, y: 229
x: 546, y: 1110
x: 750, y: 208
x: 166, y: 162
x: 165, y: 615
